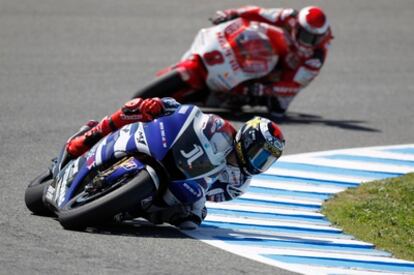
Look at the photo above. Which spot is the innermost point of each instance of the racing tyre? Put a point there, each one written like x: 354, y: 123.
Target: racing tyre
x: 89, y: 210
x: 33, y: 196
x: 163, y: 86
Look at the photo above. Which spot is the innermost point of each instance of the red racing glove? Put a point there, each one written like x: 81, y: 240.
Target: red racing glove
x: 149, y: 108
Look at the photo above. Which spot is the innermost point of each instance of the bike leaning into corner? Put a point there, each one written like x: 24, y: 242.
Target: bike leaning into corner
x: 159, y: 160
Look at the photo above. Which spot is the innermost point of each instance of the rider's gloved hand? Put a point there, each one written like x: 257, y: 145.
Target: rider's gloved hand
x: 223, y: 16
x: 152, y: 108
x: 149, y: 108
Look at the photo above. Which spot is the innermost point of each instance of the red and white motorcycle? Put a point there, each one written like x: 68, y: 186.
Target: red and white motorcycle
x: 222, y: 59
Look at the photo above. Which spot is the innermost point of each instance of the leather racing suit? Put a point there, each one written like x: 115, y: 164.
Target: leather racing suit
x: 298, y: 67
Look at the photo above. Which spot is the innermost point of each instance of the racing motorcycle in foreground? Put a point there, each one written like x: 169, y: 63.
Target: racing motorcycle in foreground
x: 221, y: 59
x: 125, y: 171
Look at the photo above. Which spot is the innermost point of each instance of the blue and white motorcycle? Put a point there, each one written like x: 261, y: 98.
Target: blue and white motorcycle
x: 125, y: 170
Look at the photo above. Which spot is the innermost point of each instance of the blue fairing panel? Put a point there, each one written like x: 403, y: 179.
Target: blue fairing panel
x: 160, y: 135
x: 162, y: 132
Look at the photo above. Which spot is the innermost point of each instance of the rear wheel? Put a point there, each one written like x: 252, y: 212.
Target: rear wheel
x: 88, y: 209
x: 163, y: 86
x: 33, y: 196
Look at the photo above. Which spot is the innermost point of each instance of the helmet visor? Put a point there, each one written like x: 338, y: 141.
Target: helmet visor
x: 308, y: 39
x: 260, y: 158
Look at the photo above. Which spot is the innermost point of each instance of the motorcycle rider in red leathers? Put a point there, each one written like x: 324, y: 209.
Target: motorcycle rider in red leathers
x: 309, y: 40
x: 249, y: 151
x: 264, y: 56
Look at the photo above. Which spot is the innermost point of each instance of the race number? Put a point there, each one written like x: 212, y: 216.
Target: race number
x: 213, y: 58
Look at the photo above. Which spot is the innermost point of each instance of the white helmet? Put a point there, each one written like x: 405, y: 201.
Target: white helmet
x: 312, y: 28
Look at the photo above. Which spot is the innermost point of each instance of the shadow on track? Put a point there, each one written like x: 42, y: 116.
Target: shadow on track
x: 132, y: 228
x: 138, y: 228
x: 293, y: 118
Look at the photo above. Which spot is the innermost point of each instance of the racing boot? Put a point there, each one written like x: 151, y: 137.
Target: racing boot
x: 79, y: 144
x: 192, y: 217
x: 64, y: 157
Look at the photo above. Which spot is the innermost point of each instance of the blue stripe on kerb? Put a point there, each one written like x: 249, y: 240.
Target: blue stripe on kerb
x: 289, y: 193
x: 370, y: 159
x: 407, y: 150
x: 274, y: 228
x: 277, y: 203
x: 303, y: 244
x: 261, y: 215
x: 344, y: 263
x: 334, y: 170
x: 310, y: 181
x: 304, y: 233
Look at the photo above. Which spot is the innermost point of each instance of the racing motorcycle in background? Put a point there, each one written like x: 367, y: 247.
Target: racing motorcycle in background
x: 222, y: 57
x: 125, y: 171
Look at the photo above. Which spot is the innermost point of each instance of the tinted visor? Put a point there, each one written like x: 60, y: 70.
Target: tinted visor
x: 307, y: 38
x: 260, y: 158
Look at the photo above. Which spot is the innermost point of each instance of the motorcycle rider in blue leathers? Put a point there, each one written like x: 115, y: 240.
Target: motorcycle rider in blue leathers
x: 249, y: 151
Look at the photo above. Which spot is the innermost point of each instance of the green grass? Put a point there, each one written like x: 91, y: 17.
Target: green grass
x: 379, y: 212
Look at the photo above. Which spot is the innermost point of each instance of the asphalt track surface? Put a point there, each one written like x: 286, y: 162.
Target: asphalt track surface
x: 64, y: 62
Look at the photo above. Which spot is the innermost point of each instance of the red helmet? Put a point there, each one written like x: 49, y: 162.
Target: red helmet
x: 312, y: 27
x: 259, y: 143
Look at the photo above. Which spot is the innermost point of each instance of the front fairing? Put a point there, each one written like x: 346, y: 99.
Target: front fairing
x: 56, y: 194
x: 234, y: 52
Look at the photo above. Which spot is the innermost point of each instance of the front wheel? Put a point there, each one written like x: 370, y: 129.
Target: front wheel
x: 91, y: 209
x: 33, y: 196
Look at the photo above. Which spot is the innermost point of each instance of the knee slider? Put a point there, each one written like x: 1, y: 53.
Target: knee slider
x: 187, y: 192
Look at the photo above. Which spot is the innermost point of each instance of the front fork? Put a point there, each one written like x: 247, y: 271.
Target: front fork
x: 123, y: 169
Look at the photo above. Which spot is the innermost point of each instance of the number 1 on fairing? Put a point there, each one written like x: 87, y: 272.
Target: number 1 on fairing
x: 193, y: 154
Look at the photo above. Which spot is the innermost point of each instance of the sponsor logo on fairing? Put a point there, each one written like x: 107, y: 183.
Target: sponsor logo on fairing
x: 221, y: 38
x: 130, y: 165
x: 192, y: 191
x: 163, y: 138
x: 141, y: 137
x: 50, y: 193
x: 90, y: 161
x: 233, y: 27
x: 285, y: 91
